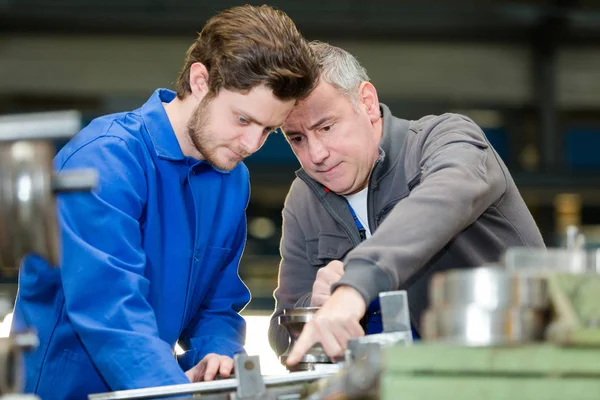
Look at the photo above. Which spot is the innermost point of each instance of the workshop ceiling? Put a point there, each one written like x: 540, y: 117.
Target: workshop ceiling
x: 499, y: 20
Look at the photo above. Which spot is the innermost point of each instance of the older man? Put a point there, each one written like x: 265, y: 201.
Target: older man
x: 382, y: 203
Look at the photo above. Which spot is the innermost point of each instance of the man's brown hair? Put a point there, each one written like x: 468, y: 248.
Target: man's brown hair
x: 246, y: 46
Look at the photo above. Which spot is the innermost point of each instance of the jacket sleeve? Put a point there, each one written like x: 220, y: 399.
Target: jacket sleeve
x: 102, y: 270
x: 296, y: 277
x: 461, y: 178
x: 218, y: 327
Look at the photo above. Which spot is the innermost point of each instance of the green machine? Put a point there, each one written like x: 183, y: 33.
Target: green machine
x: 527, y: 329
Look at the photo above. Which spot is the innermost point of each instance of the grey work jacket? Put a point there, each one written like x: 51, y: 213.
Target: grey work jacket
x: 439, y: 197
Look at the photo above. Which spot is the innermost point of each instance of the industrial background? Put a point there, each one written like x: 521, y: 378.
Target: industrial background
x: 528, y: 72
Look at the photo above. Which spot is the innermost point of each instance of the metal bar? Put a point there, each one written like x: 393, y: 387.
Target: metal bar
x: 75, y: 180
x: 208, y: 387
x: 39, y: 126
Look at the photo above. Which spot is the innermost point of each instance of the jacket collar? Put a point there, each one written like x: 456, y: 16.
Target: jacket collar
x: 159, y: 127
x: 392, y: 141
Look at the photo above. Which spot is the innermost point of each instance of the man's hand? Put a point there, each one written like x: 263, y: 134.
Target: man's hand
x: 333, y: 325
x: 207, y: 369
x: 326, y: 276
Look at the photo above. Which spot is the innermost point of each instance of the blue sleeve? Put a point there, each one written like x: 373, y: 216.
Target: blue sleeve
x: 218, y: 327
x: 102, y: 270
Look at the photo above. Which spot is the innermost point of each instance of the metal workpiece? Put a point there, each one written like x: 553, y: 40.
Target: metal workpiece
x: 11, y: 367
x: 489, y: 287
x: 224, y: 387
x: 472, y: 325
x: 293, y: 320
x: 27, y: 205
x: 250, y: 383
x: 299, y: 315
x: 28, y: 185
x: 383, y: 340
x: 47, y: 126
x: 395, y: 313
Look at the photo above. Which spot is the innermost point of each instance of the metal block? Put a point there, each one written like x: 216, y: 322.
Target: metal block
x: 250, y: 384
x: 394, y: 311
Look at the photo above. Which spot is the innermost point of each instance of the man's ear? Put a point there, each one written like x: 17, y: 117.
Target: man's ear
x: 368, y: 99
x: 199, y: 80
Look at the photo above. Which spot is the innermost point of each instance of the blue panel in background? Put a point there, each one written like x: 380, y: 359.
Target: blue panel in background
x: 582, y: 146
x: 498, y: 138
x: 276, y: 150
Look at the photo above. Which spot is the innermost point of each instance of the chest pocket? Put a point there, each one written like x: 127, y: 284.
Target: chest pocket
x: 327, y: 247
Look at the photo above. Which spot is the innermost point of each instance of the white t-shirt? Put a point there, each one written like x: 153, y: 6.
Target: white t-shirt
x: 358, y: 202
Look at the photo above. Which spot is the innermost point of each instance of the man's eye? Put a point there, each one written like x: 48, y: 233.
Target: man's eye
x: 296, y: 139
x: 326, y: 128
x: 243, y: 121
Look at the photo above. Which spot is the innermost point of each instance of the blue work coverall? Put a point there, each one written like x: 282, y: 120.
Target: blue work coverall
x: 149, y: 258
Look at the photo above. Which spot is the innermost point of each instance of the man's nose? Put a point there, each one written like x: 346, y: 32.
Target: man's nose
x: 253, y: 140
x: 318, y: 151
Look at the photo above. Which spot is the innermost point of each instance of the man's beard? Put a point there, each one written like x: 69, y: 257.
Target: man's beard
x: 203, y: 139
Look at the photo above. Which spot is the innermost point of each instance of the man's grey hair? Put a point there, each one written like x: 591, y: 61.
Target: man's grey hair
x: 340, y: 68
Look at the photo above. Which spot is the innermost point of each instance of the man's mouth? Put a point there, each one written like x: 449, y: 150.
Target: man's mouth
x: 241, y: 155
x: 324, y: 171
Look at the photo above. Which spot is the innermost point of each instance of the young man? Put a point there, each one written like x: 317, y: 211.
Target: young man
x: 151, y: 257
x: 381, y: 204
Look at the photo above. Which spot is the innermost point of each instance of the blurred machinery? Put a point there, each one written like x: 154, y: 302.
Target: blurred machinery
x: 527, y: 327
x: 28, y: 222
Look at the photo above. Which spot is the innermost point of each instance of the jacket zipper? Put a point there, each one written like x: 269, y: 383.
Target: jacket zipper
x: 355, y: 239
x: 373, y: 222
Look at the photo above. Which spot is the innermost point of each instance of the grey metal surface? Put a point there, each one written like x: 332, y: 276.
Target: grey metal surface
x: 356, y: 345
x: 315, y: 356
x: 11, y: 367
x: 27, y: 207
x: 28, y: 185
x: 489, y: 287
x: 541, y: 261
x: 250, y: 384
x: 394, y: 311
x: 293, y: 320
x: 225, y: 385
x: 40, y: 126
x: 472, y: 325
x: 300, y: 315
x: 77, y: 180
x: 395, y: 315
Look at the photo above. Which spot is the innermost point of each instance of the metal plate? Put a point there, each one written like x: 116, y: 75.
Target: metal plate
x: 203, y: 388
